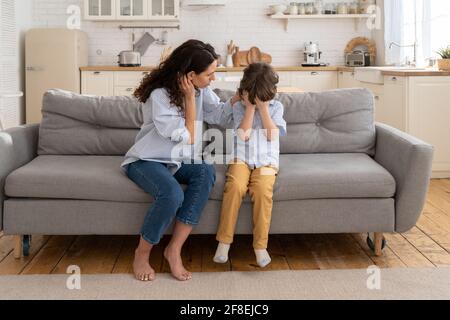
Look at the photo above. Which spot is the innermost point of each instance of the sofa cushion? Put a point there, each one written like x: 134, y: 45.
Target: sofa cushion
x: 324, y: 176
x: 74, y: 124
x: 100, y: 178
x: 336, y: 121
x: 74, y: 177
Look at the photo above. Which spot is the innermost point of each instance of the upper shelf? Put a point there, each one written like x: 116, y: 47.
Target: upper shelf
x: 287, y: 17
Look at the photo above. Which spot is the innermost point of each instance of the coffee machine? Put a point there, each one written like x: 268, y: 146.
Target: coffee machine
x: 312, y: 54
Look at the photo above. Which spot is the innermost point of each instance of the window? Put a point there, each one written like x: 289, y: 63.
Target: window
x: 424, y: 22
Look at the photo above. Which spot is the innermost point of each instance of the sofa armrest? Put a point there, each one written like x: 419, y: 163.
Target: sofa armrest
x: 18, y: 146
x: 409, y: 160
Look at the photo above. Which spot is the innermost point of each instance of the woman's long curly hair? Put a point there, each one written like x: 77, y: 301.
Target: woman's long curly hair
x: 193, y: 55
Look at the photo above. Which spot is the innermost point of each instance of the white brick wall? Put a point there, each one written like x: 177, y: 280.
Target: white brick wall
x: 244, y: 21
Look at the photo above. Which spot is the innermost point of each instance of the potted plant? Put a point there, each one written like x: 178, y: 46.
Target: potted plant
x: 444, y: 63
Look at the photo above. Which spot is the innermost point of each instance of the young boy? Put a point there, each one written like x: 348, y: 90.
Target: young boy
x: 258, y: 121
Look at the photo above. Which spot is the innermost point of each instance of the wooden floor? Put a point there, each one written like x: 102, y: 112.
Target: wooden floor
x: 426, y: 245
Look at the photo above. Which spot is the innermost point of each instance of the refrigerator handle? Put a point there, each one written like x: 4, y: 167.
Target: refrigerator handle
x: 34, y: 68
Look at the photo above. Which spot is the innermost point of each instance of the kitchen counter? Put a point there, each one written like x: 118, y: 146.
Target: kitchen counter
x: 401, y: 72
x: 416, y: 73
x: 221, y: 69
x: 391, y: 72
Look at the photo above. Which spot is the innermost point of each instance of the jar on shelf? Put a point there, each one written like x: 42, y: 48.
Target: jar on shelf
x: 353, y: 8
x: 365, y: 4
x: 342, y: 8
x: 318, y: 7
x: 301, y: 9
x: 293, y: 9
x: 309, y: 8
x: 330, y: 8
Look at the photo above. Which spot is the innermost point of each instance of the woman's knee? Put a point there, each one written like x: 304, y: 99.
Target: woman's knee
x: 171, y: 195
x: 210, y: 172
x: 206, y: 173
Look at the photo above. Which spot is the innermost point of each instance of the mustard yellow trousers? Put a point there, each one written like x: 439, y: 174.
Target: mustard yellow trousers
x: 259, y: 182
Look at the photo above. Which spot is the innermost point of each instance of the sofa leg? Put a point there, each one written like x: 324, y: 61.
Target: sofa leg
x: 379, y: 244
x: 376, y: 243
x: 18, y: 246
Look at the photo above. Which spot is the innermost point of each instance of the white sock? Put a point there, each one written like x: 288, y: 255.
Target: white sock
x: 222, y: 253
x: 262, y: 258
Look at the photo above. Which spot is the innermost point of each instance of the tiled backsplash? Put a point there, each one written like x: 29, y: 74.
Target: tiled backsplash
x: 243, y: 21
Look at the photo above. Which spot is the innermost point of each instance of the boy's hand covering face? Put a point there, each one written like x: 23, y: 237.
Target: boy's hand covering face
x: 261, y: 104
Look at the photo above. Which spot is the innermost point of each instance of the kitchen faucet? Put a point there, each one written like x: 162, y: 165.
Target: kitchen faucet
x: 414, y: 62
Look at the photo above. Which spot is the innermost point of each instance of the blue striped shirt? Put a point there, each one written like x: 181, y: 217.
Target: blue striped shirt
x: 259, y: 152
x: 164, y: 137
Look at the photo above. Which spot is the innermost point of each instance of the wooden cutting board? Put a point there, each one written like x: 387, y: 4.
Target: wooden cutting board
x: 244, y: 58
x: 254, y: 55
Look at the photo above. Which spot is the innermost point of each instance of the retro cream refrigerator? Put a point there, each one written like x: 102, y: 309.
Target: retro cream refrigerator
x: 53, y: 57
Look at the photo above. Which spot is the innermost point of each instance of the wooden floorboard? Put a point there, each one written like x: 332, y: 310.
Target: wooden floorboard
x: 426, y: 245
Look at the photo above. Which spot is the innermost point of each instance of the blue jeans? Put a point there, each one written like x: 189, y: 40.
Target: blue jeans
x: 170, y: 200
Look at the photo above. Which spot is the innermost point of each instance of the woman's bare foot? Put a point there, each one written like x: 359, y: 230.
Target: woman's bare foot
x: 141, y: 266
x: 173, y: 256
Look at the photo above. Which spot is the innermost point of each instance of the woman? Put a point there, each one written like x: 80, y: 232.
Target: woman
x: 176, y: 100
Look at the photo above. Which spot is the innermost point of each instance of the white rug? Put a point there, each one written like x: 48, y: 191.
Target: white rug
x: 285, y: 285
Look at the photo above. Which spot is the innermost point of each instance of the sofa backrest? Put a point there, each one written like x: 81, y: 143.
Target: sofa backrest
x: 74, y: 124
x: 336, y: 121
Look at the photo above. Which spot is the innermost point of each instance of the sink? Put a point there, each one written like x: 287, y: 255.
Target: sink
x: 375, y: 74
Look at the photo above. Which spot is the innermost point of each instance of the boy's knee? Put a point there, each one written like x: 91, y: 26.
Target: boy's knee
x: 261, y: 190
x: 236, y: 186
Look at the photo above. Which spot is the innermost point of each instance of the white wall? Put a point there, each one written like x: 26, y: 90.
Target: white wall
x: 243, y: 21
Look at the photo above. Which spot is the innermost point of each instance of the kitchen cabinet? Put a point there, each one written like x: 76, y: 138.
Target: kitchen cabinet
x: 394, y: 109
x: 428, y: 118
x: 111, y: 83
x: 99, y: 83
x: 164, y: 9
x: 100, y: 9
x: 347, y: 80
x: 126, y: 82
x: 314, y: 81
x: 129, y: 10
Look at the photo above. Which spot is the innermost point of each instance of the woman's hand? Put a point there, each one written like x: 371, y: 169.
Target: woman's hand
x: 235, y: 98
x: 247, y: 104
x: 187, y: 87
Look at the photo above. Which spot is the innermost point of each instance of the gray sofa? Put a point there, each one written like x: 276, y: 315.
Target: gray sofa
x: 340, y: 171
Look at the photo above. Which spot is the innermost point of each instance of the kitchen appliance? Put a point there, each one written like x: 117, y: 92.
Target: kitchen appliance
x: 142, y: 44
x: 312, y: 54
x: 357, y: 58
x: 53, y: 57
x: 129, y: 58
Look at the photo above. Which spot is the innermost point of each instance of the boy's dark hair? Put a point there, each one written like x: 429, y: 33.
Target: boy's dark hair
x: 260, y: 81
